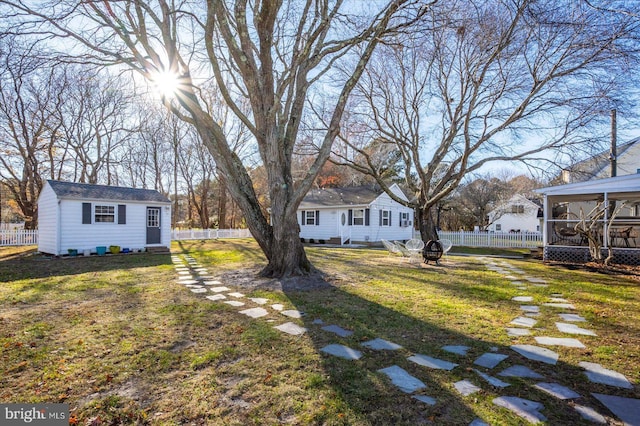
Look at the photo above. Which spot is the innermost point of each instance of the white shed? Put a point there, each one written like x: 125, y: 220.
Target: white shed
x: 82, y: 217
x: 354, y: 214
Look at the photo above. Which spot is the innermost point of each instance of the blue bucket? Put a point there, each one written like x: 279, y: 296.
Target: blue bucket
x: 101, y: 250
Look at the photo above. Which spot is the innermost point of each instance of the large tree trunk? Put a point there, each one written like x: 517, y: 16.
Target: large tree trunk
x: 286, y: 253
x: 426, y: 224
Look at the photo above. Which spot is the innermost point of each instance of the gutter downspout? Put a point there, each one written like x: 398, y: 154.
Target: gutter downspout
x: 545, y: 218
x: 58, y: 230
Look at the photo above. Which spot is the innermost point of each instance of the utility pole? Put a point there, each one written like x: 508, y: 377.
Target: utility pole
x: 613, y: 155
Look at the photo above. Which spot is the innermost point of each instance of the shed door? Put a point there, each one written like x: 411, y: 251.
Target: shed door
x: 153, y: 225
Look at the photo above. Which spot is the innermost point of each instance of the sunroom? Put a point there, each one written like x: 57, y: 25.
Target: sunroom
x: 583, y: 218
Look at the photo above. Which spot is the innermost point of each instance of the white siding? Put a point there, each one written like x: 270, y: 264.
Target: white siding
x: 48, y: 221
x: 508, y: 221
x: 132, y: 235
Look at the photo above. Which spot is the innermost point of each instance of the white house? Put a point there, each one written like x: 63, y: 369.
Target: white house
x: 516, y: 214
x: 82, y: 217
x: 354, y: 214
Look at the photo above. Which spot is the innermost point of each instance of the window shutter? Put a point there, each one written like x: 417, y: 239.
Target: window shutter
x: 86, y: 213
x: 350, y: 217
x: 389, y: 217
x: 317, y: 217
x: 366, y: 217
x: 302, y: 221
x: 400, y: 219
x: 380, y: 220
x: 122, y: 214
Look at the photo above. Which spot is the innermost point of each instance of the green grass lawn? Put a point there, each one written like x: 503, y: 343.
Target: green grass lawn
x: 121, y: 342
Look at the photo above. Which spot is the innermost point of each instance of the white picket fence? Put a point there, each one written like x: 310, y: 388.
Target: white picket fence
x: 493, y: 239
x: 18, y: 237
x: 208, y: 234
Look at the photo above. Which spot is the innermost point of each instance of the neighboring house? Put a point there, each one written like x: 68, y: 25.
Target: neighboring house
x: 599, y: 166
x: 518, y: 214
x: 82, y: 217
x: 355, y: 214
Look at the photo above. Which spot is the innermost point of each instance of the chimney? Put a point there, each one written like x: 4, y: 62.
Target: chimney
x: 613, y: 160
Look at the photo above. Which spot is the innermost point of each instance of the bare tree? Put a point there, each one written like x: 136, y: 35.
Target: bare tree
x: 30, y: 93
x: 522, y: 80
x: 269, y: 53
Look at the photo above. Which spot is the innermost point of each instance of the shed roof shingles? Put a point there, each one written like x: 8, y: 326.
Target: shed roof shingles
x: 104, y: 192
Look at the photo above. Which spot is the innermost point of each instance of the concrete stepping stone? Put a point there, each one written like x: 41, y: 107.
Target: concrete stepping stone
x: 522, y: 299
x: 403, y: 380
x: 278, y: 307
x: 560, y: 341
x: 317, y: 321
x: 219, y: 289
x: 381, y: 345
x: 521, y: 288
x: 478, y: 422
x: 466, y: 388
x: 216, y: 297
x: 193, y: 286
x: 598, y: 374
x: 493, y: 381
x: 511, y: 277
x: 590, y: 414
x: 627, y: 409
x: 558, y: 300
x: 435, y: 363
x: 291, y: 328
x: 259, y: 300
x: 560, y: 305
x: 524, y: 322
x: 490, y: 360
x: 557, y: 390
x: 537, y: 353
x: 528, y: 410
x: 536, y: 280
x: 532, y: 314
x: 518, y: 332
x: 235, y: 303
x: 198, y: 290
x: 556, y: 295
x: 187, y: 272
x: 572, y: 318
x: 541, y: 285
x: 574, y: 329
x: 426, y: 399
x: 211, y: 282
x: 292, y: 313
x: 456, y: 349
x: 236, y: 294
x: 530, y: 308
x: 518, y: 283
x: 187, y: 282
x: 338, y: 330
x: 520, y: 371
x: 342, y: 351
x: 255, y: 312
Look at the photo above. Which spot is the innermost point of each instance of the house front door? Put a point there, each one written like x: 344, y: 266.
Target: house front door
x: 153, y: 225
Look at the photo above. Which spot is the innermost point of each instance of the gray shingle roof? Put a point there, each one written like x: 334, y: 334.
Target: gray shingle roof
x: 328, y: 197
x: 103, y: 192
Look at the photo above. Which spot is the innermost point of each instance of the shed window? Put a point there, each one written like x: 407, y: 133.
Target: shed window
x: 310, y: 218
x: 104, y: 214
x: 517, y: 208
x: 498, y: 227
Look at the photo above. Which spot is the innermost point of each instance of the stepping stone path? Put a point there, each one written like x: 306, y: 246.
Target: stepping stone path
x: 342, y: 351
x: 626, y: 409
x: 528, y: 410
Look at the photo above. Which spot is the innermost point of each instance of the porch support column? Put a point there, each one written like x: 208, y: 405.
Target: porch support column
x: 545, y: 218
x: 605, y: 225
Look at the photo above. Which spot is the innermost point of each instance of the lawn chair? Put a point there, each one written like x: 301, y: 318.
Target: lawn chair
x: 446, y: 246
x: 391, y: 247
x: 409, y: 254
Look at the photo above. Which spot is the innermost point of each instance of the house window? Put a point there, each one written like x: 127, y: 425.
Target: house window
x: 517, y: 208
x: 358, y: 217
x: 404, y: 219
x: 310, y: 218
x: 385, y: 218
x: 498, y: 227
x: 104, y: 214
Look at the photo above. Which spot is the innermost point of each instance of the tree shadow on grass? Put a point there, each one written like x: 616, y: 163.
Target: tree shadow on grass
x: 373, y: 398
